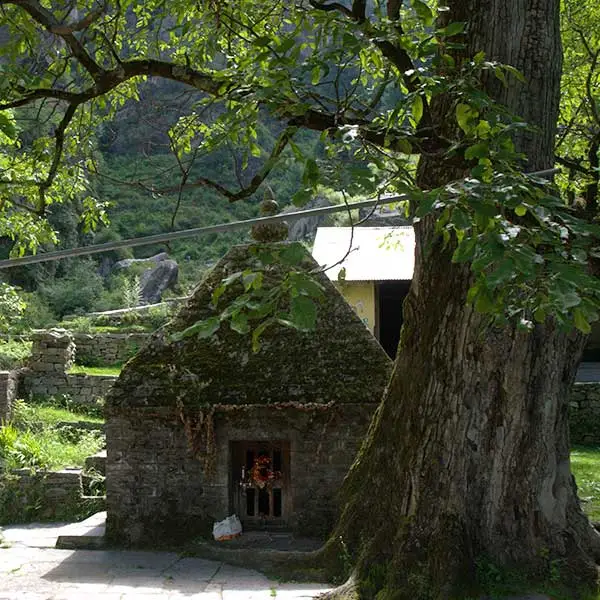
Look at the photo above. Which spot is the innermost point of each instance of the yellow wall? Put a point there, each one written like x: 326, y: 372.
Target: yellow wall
x: 360, y: 295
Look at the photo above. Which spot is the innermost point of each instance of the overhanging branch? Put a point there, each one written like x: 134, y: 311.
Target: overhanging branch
x: 256, y: 181
x: 46, y: 19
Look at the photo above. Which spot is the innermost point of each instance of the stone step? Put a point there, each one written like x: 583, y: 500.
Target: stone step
x: 97, y: 462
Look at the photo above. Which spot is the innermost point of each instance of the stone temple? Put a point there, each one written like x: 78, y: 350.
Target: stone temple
x: 201, y: 427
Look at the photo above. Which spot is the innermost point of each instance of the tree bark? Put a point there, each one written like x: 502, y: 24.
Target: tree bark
x: 466, y: 468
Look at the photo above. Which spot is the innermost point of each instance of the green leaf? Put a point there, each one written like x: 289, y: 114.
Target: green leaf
x: 7, y: 126
x: 515, y: 72
x: 302, y: 197
x: 252, y: 279
x: 454, y: 28
x: 465, y: 115
x: 239, y: 323
x: 303, y: 313
x: 311, y: 173
x: 465, y: 250
x: 521, y: 210
x: 202, y: 329
x: 484, y: 303
x: 255, y: 150
x: 417, y: 108
x: 479, y: 150
x: 581, y: 321
x: 423, y: 11
x: 217, y: 293
x: 229, y: 280
x: 258, y: 331
x: 404, y: 146
x: 303, y: 283
x: 293, y: 254
x: 315, y: 75
x: 262, y: 41
x: 483, y: 129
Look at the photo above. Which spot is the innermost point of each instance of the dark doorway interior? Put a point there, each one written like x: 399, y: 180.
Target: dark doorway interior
x: 390, y: 296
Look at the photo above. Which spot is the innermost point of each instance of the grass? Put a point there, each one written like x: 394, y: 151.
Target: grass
x: 32, y: 440
x: 25, y: 415
x: 585, y: 465
x: 95, y: 371
x: 49, y: 449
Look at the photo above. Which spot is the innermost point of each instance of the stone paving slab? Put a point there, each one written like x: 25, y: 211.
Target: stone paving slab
x: 32, y: 569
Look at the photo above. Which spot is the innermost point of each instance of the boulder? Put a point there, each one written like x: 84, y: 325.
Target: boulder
x: 305, y: 229
x: 128, y: 262
x: 158, y: 279
x: 384, y: 216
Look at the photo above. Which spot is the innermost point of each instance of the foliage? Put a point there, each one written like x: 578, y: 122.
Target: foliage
x: 13, y: 353
x: 255, y: 303
x: 38, y: 444
x: 25, y: 502
x: 578, y: 142
x: 12, y: 305
x: 37, y: 314
x: 585, y: 464
x: 77, y: 292
x: 343, y: 74
x: 132, y: 292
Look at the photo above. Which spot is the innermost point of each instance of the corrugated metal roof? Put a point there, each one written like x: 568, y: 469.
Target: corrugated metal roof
x: 377, y: 254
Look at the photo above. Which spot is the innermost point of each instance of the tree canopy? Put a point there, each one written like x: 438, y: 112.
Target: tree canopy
x: 363, y: 77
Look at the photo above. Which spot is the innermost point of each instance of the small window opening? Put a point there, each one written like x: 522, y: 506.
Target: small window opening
x: 276, y: 502
x: 250, y: 502
x: 263, y: 503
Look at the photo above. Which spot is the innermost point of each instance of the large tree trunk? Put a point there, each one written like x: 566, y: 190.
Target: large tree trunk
x: 466, y: 465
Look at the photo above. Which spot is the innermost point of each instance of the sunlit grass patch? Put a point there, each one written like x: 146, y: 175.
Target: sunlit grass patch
x: 585, y: 465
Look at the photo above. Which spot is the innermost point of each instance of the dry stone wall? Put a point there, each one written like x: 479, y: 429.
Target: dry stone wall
x: 52, y: 354
x: 8, y: 392
x: 45, y: 496
x: 584, y: 413
x: 107, y: 348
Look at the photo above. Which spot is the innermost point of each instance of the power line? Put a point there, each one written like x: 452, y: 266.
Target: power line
x: 185, y: 233
x: 177, y: 235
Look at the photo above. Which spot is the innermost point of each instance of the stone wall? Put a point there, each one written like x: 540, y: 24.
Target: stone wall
x: 8, y: 392
x: 81, y: 388
x: 174, y: 498
x: 45, y: 496
x: 584, y: 413
x: 104, y: 349
x: 52, y: 354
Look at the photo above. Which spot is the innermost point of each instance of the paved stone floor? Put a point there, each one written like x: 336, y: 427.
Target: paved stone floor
x: 32, y: 569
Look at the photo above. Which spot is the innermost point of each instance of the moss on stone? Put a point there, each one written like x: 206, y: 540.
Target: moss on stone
x: 340, y: 361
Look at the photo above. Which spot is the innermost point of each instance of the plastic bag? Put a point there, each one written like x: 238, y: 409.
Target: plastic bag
x: 227, y: 529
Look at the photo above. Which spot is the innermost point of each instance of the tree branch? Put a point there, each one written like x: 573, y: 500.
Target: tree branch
x: 38, y: 94
x: 282, y: 142
x: 46, y: 19
x: 571, y: 164
x: 80, y: 25
x: 397, y: 55
x: 332, y: 7
x: 59, y: 136
x: 359, y: 9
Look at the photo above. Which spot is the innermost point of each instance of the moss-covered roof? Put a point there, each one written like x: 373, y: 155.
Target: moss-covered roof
x: 339, y: 361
